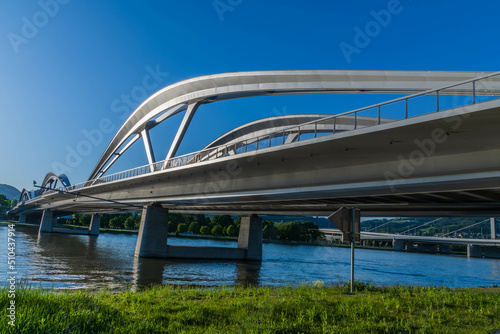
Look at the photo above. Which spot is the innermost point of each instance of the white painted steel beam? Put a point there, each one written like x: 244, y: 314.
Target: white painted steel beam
x: 149, y: 148
x: 188, y: 116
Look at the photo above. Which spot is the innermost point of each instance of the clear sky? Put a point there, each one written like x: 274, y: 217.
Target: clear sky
x: 65, y: 65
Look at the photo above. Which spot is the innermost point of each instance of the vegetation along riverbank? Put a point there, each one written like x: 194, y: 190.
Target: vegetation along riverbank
x: 303, y: 309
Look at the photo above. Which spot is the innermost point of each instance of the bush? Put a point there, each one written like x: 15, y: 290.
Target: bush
x: 270, y: 232
x: 194, y: 227
x: 205, y: 230
x: 129, y: 223
x: 217, y: 230
x: 116, y: 222
x: 182, y: 228
x: 223, y: 220
x: 232, y: 230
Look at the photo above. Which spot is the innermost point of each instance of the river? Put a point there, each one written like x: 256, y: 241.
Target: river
x: 66, y: 261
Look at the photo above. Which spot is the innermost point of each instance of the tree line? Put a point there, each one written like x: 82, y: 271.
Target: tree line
x: 5, y: 205
x: 218, y: 225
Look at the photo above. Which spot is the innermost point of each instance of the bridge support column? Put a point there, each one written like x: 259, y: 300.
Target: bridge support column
x: 47, y: 222
x: 491, y: 252
x: 22, y: 219
x: 474, y: 251
x: 398, y: 245
x: 95, y: 225
x: 250, y: 237
x: 427, y: 248
x: 444, y: 249
x: 153, y: 232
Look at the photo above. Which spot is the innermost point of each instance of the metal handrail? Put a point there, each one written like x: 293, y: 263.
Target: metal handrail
x: 223, y: 149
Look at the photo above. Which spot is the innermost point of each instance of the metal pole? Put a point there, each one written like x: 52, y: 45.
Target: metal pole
x: 437, y: 100
x: 473, y: 92
x: 352, y: 250
x: 493, y: 230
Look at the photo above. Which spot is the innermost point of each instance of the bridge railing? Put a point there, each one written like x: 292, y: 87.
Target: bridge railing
x: 465, y: 93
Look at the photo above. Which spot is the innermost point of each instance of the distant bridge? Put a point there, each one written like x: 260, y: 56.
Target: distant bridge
x: 433, y: 152
x: 489, y: 248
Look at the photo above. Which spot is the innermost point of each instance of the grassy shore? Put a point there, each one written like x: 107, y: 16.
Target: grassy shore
x: 303, y: 309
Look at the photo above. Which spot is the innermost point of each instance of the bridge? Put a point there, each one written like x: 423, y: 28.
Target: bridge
x: 488, y: 248
x: 433, y: 151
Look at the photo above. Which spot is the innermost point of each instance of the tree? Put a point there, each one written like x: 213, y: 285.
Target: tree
x: 137, y: 220
x: 205, y: 230
x: 182, y: 228
x: 116, y: 222
x: 204, y: 221
x: 270, y: 232
x: 217, y: 230
x: 129, y: 223
x: 310, y: 232
x: 194, y: 227
x: 4, y: 201
x: 84, y: 220
x: 223, y: 220
x: 289, y: 231
x: 232, y: 230
x: 14, y: 203
x: 174, y: 219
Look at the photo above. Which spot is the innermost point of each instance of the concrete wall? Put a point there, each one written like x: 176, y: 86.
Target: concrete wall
x: 474, y: 251
x: 491, y: 252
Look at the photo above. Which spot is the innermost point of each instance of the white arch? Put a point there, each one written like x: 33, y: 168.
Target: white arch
x: 190, y: 94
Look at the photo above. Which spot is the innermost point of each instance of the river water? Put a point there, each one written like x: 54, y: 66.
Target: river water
x: 66, y: 261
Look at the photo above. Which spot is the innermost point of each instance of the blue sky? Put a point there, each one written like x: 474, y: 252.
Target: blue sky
x: 65, y: 64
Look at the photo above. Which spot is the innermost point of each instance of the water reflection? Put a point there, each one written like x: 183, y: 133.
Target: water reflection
x: 82, y: 261
x: 194, y: 272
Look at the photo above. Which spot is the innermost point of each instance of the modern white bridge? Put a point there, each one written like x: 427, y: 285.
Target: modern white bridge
x: 435, y: 151
x: 489, y: 248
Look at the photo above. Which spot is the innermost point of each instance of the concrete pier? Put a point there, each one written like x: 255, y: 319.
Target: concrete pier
x: 444, y: 249
x: 153, y: 232
x: 47, y: 221
x: 488, y: 252
x: 250, y: 237
x: 398, y: 245
x: 426, y: 248
x: 474, y: 251
x: 22, y: 219
x: 95, y: 224
x: 491, y: 252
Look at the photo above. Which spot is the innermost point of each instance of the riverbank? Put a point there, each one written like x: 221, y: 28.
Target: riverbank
x: 302, y: 309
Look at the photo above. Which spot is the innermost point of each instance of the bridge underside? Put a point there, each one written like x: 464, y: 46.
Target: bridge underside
x: 441, y: 164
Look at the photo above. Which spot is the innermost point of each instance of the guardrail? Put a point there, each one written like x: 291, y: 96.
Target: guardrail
x: 465, y: 93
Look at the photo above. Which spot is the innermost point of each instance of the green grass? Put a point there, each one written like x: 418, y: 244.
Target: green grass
x: 302, y: 309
